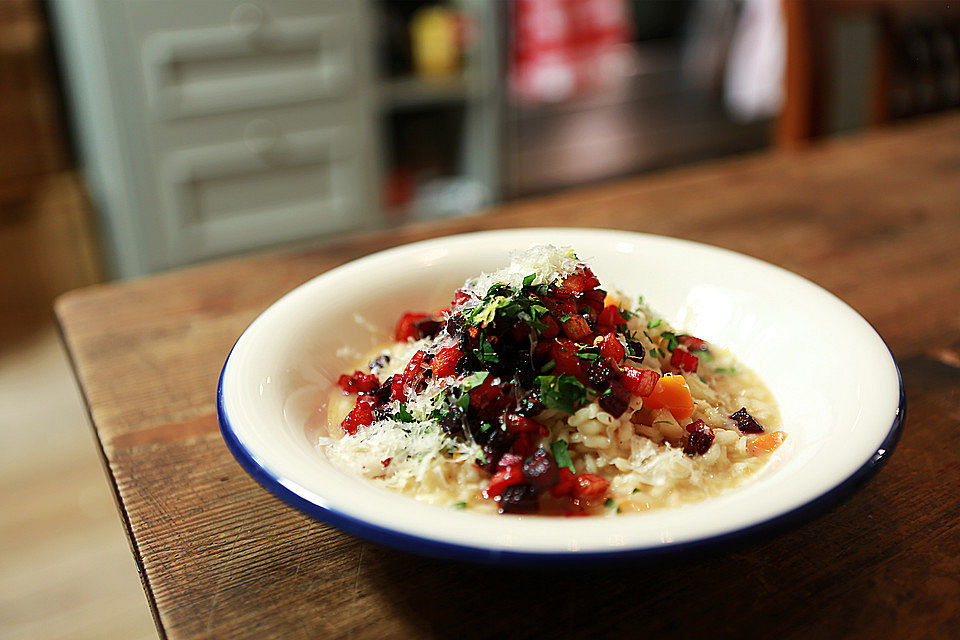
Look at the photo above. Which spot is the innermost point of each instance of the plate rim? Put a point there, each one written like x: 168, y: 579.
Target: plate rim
x: 413, y: 543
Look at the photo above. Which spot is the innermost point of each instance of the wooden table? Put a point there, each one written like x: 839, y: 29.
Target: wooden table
x: 874, y: 219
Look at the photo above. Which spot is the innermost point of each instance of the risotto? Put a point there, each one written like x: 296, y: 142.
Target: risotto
x: 536, y: 391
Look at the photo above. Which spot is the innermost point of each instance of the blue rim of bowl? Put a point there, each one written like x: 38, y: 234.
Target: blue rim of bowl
x: 450, y: 551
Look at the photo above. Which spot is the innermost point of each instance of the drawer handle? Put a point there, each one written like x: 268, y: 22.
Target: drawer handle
x: 249, y: 20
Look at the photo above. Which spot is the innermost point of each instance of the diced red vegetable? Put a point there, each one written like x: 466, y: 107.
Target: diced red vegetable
x: 360, y: 416
x: 502, y: 479
x: 699, y: 440
x: 589, y: 485
x: 523, y: 444
x: 405, y: 327
x: 612, y: 349
x: 564, y: 485
x: 516, y: 423
x: 445, y: 362
x: 576, y: 327
x: 641, y: 382
x: 485, y: 393
x: 593, y: 299
x: 552, y: 330
x: 402, y: 384
x: 462, y: 296
x: 684, y: 360
x: 565, y: 353
x: 358, y: 382
x: 610, y: 317
x: 692, y: 343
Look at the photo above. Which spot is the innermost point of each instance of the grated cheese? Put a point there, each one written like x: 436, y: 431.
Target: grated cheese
x: 548, y: 262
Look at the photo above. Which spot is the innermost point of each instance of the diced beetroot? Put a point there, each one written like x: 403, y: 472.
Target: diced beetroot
x: 692, y: 343
x: 572, y: 285
x: 461, y: 296
x: 684, y: 360
x: 593, y: 299
x: 358, y: 382
x: 640, y: 381
x: 508, y: 460
x: 427, y: 327
x: 540, y: 470
x: 576, y: 327
x: 516, y: 423
x: 523, y: 444
x: 360, y: 416
x: 699, y: 440
x: 746, y: 422
x: 552, y: 330
x: 411, y: 374
x: 502, y: 479
x: 565, y: 353
x: 610, y: 316
x: 612, y: 349
x: 485, y: 393
x: 589, y: 485
x: 614, y: 400
x: 518, y: 498
x: 445, y: 362
x: 564, y: 485
x: 405, y: 327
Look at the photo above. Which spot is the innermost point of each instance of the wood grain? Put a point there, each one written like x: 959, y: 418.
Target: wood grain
x: 875, y: 219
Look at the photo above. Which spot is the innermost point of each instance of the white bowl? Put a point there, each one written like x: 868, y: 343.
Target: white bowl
x: 837, y: 385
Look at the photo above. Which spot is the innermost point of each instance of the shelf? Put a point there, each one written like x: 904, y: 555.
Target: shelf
x: 414, y: 92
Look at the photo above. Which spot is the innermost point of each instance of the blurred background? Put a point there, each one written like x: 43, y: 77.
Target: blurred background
x: 143, y: 135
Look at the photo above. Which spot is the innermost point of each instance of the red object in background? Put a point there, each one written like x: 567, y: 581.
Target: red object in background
x: 564, y: 47
x: 398, y: 188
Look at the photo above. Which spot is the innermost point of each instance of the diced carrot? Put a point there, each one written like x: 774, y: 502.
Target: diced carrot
x: 673, y: 393
x: 766, y: 443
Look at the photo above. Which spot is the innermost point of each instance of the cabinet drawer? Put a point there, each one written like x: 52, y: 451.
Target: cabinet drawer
x: 270, y: 187
x: 217, y: 56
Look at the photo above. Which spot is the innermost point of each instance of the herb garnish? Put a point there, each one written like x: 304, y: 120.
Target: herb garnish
x: 652, y: 324
x: 563, y: 392
x: 403, y: 415
x: 671, y: 339
x: 561, y: 455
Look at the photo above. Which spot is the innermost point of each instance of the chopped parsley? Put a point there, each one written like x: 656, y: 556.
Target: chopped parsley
x: 561, y: 455
x: 671, y: 339
x: 563, y: 392
x: 474, y: 380
x: 403, y: 415
x: 726, y: 369
x: 654, y: 323
x: 635, y: 490
x: 609, y: 503
x: 529, y: 279
x: 459, y: 505
x: 486, y: 353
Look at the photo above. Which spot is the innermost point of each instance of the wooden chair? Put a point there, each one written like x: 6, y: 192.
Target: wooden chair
x: 896, y: 66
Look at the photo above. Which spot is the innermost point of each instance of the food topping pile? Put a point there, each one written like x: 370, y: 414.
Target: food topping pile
x: 486, y: 382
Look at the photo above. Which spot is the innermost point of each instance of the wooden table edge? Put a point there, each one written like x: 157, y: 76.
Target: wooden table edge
x: 111, y: 478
